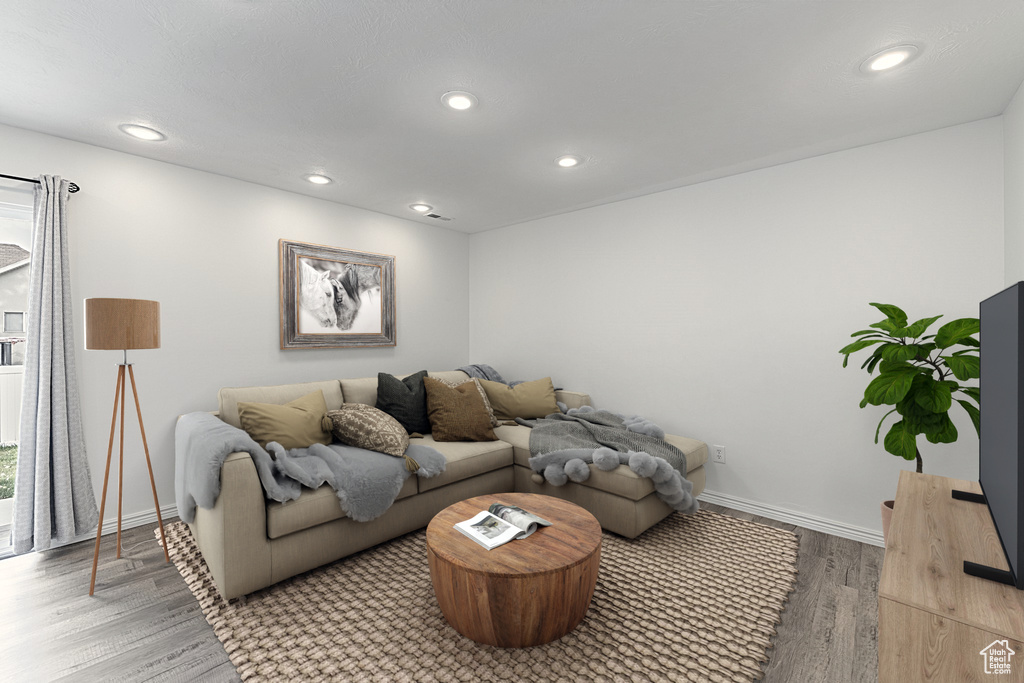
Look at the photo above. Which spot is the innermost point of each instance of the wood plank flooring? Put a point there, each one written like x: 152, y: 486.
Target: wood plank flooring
x: 144, y: 625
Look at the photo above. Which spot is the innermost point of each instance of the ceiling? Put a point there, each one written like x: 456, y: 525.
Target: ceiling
x: 651, y: 94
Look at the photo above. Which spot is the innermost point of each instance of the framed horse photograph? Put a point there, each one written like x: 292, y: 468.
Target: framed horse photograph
x: 335, y: 298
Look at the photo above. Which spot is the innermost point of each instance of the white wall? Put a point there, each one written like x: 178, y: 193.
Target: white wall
x: 717, y: 310
x: 1013, y: 150
x: 206, y: 247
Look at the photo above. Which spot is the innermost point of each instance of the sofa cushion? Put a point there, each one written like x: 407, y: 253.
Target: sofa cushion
x: 296, y: 424
x: 229, y: 397
x: 405, y: 400
x: 361, y: 390
x: 363, y: 426
x: 696, y: 451
x: 527, y: 400
x: 518, y: 437
x: 457, y: 413
x: 449, y: 375
x: 314, y: 507
x: 465, y: 459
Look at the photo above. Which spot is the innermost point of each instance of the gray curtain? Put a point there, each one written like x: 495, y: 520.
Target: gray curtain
x: 53, y: 494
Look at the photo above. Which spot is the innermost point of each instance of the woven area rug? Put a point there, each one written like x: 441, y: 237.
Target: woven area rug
x: 695, y: 598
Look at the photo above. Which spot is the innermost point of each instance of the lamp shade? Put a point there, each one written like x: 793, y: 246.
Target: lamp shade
x: 122, y: 324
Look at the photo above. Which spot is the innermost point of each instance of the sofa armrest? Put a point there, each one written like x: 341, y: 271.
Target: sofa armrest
x: 573, y: 399
x: 232, y: 536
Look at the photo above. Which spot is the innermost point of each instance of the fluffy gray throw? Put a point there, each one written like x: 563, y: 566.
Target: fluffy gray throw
x: 562, y: 445
x: 366, y: 482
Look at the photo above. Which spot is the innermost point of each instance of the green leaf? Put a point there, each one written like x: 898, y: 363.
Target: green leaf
x: 966, y: 352
x: 917, y: 419
x: 879, y: 428
x: 893, y: 313
x: 890, y: 365
x: 863, y: 403
x: 964, y: 367
x: 890, y: 387
x: 872, y: 362
x: 861, y: 333
x: 970, y: 341
x: 860, y: 344
x: 945, y: 432
x: 955, y: 330
x: 901, y: 442
x: 973, y: 392
x: 876, y: 355
x: 918, y: 328
x: 888, y: 326
x: 933, y: 396
x: 926, y: 348
x: 973, y: 412
x: 899, y: 352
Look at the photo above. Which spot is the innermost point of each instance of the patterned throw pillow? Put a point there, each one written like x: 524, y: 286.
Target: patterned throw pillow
x: 483, y: 394
x: 405, y: 400
x: 364, y: 426
x: 457, y: 413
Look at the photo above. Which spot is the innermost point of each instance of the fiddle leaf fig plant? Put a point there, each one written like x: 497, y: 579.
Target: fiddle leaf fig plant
x: 919, y: 375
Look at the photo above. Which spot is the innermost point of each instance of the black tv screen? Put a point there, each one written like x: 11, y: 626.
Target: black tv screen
x: 1002, y: 383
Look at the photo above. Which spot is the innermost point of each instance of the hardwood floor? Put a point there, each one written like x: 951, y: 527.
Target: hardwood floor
x: 144, y: 625
x: 829, y: 629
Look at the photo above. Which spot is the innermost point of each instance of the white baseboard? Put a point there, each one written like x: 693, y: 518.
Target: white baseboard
x: 813, y: 522
x: 110, y: 526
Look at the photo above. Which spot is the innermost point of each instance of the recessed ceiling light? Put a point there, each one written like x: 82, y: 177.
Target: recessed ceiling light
x: 142, y: 132
x: 318, y: 179
x: 568, y: 161
x: 457, y: 99
x: 889, y: 58
x: 422, y: 208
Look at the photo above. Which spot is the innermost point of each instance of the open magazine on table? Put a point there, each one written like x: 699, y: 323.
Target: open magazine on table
x: 500, y: 524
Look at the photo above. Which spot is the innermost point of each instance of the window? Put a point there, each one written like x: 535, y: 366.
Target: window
x: 14, y: 321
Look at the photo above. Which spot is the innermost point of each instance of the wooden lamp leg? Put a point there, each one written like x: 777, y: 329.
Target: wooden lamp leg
x: 106, y: 475
x: 120, y: 467
x: 145, y: 446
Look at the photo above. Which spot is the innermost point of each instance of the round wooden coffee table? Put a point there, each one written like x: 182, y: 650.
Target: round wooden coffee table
x: 527, y: 592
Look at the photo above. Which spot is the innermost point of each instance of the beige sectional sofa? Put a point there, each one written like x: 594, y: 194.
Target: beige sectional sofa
x: 249, y: 542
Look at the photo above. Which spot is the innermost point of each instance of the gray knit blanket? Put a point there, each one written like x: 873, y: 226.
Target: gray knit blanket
x: 561, y: 447
x: 366, y: 482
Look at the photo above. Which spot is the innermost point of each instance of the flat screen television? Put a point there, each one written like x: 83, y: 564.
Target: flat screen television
x: 1001, y: 459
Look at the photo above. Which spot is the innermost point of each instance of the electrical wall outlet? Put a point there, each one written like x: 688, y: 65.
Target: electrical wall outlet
x: 718, y: 453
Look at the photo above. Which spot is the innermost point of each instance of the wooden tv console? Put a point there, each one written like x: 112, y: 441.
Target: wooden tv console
x: 934, y: 620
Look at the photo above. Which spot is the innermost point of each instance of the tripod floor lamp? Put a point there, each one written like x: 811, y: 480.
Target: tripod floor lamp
x: 120, y: 325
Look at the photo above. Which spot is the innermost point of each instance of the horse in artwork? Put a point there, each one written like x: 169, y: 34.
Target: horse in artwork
x: 349, y: 289
x: 316, y: 294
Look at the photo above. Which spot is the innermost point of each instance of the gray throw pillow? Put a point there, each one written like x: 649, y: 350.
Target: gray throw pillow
x: 405, y: 400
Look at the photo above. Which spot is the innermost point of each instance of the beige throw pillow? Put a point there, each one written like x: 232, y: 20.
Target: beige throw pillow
x: 297, y: 424
x: 363, y: 426
x: 527, y: 400
x: 457, y: 413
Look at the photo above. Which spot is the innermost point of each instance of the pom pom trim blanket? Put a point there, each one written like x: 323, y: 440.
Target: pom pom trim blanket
x: 563, y: 445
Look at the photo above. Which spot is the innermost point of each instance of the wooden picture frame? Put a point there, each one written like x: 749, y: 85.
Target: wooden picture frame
x: 335, y: 298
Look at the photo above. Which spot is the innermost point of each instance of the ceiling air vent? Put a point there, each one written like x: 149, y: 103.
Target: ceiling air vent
x: 438, y: 217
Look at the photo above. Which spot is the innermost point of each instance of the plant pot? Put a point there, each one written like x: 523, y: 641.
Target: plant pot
x: 887, y: 506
